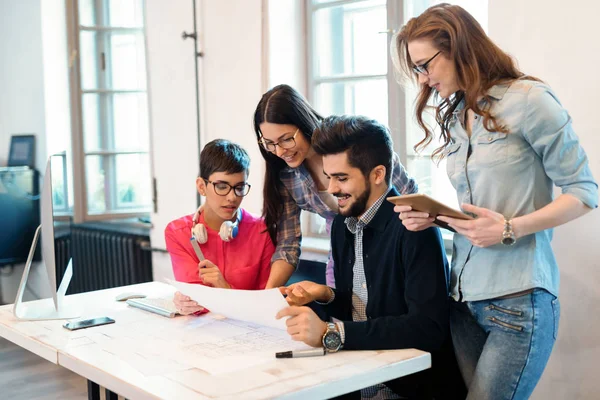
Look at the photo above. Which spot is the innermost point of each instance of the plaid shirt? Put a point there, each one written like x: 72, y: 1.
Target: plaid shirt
x: 300, y: 193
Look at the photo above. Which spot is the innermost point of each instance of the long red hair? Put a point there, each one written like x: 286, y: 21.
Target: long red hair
x: 479, y: 63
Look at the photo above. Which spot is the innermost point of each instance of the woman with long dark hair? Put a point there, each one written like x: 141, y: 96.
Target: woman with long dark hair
x: 507, y: 140
x: 294, y: 179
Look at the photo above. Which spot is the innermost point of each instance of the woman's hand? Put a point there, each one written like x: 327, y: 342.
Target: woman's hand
x: 185, y: 305
x: 211, y: 275
x: 484, y: 231
x: 414, y: 220
x: 305, y: 292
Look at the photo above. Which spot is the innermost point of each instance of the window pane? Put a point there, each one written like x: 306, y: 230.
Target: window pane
x: 133, y: 181
x: 347, y: 39
x: 115, y: 121
x: 89, y: 60
x: 317, y: 226
x: 433, y: 179
x: 368, y: 98
x: 127, y: 63
x: 87, y: 12
x: 60, y: 199
x: 130, y: 121
x: 126, y: 13
x: 91, y: 122
x: 96, y: 191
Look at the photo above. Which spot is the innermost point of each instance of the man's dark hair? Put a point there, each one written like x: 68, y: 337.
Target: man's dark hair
x: 221, y: 155
x: 367, y: 142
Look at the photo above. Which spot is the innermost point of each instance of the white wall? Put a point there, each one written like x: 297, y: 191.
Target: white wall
x: 287, y: 44
x: 172, y: 118
x: 232, y: 80
x: 231, y: 73
x: 23, y: 69
x: 557, y: 42
x: 21, y: 75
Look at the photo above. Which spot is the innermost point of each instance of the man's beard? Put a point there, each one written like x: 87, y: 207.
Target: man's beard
x: 359, y: 206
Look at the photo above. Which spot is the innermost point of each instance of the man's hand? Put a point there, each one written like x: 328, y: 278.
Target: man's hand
x: 301, y: 293
x: 304, y: 325
x: 185, y: 305
x: 211, y: 275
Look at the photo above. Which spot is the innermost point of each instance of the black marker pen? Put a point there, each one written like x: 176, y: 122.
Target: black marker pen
x: 301, y: 353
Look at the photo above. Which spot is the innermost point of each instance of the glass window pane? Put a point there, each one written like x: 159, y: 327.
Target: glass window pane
x: 87, y: 12
x: 368, y: 98
x: 433, y: 179
x: 347, y: 39
x: 126, y: 13
x: 130, y: 121
x: 96, y: 191
x: 133, y: 181
x: 89, y: 60
x: 91, y: 122
x: 127, y: 64
x: 60, y: 199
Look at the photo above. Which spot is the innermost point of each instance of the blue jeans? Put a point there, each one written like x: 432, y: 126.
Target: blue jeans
x: 502, y: 345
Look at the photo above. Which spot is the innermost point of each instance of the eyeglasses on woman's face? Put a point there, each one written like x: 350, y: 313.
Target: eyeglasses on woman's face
x: 223, y: 188
x: 288, y: 142
x: 422, y: 68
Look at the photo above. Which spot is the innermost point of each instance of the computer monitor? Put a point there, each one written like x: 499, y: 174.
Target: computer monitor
x: 58, y: 307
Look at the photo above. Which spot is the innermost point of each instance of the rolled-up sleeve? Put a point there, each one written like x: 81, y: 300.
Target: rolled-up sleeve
x: 549, y: 131
x: 289, y: 231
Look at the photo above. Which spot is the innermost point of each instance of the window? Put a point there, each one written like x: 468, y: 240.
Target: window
x: 111, y: 132
x: 350, y: 72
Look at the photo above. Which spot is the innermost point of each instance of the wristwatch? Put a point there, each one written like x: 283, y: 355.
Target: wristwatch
x: 508, y: 236
x: 332, y: 340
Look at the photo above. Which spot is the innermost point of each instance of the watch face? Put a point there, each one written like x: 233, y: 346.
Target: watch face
x: 332, y: 341
x: 508, y: 240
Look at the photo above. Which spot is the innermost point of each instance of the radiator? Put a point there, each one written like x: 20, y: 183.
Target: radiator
x: 102, y: 259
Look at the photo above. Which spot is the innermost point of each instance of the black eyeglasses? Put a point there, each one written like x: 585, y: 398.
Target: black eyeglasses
x: 422, y: 69
x: 286, y: 143
x: 223, y: 188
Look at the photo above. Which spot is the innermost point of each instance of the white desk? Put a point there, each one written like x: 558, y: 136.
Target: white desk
x: 94, y: 354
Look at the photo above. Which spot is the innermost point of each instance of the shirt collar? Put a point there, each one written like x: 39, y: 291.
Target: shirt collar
x: 352, y: 223
x: 498, y: 91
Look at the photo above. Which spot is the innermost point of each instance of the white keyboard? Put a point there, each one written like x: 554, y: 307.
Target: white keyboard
x: 161, y: 306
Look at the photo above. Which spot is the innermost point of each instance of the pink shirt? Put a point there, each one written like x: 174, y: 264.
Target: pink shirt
x: 245, y: 261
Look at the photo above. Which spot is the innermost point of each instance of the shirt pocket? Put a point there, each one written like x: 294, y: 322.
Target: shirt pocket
x: 451, y: 155
x: 492, y: 149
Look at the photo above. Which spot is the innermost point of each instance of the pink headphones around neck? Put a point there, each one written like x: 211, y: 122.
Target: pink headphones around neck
x: 227, y: 232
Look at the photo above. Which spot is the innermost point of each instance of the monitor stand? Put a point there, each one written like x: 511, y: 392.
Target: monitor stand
x: 46, y: 308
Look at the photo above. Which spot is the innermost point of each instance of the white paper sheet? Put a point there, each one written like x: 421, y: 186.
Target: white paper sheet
x: 256, y: 306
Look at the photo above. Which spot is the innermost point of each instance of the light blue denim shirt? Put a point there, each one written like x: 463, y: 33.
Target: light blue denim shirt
x: 513, y: 174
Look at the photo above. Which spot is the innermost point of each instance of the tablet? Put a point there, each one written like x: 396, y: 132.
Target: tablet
x: 424, y: 203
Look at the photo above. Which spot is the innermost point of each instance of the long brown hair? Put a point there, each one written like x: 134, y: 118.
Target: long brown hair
x: 280, y: 105
x: 479, y: 63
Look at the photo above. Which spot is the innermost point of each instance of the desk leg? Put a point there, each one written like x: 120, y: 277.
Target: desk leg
x: 110, y: 395
x: 94, y: 391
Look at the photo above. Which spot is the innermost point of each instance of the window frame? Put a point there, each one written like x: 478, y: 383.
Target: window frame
x: 396, y: 98
x: 79, y: 210
x: 398, y: 118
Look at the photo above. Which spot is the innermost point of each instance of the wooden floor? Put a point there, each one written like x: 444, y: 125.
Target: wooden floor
x: 25, y: 375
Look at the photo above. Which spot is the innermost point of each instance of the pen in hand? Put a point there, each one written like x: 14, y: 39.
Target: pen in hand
x: 301, y: 353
